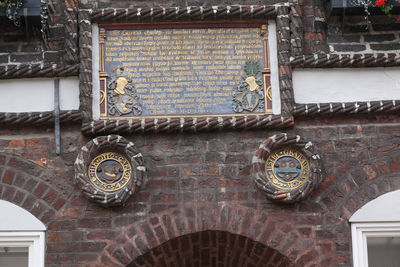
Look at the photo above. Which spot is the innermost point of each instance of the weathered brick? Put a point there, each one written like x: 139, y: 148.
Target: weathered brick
x: 369, y: 171
x: 101, y: 235
x: 394, y: 165
x: 344, y: 38
x: 162, y: 197
x: 38, y: 208
x: 161, y: 184
x: 201, y: 171
x: 382, y: 167
x: 33, y: 57
x: 62, y: 247
x: 15, y: 38
x: 59, y: 203
x: 378, y: 37
x: 30, y: 184
x: 17, y: 143
x: 385, y: 47
x: 8, y: 193
x: 8, y: 177
x: 70, y: 212
x: 349, y: 48
x: 40, y: 189
x: 3, y: 59
x: 32, y: 47
x: 92, y: 223
x: 28, y: 202
x: 19, y: 197
x: 34, y: 142
x: 51, y: 57
x: 50, y: 196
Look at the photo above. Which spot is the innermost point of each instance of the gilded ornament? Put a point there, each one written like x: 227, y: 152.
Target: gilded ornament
x: 287, y: 168
x: 109, y: 171
x: 248, y: 97
x: 122, y: 96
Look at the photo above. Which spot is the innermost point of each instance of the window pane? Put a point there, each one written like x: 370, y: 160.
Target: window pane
x: 14, y: 256
x: 383, y: 251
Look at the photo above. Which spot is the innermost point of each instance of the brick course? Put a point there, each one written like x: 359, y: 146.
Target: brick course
x: 353, y: 34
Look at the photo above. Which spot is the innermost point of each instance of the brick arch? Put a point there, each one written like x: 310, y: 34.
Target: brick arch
x: 347, y: 187
x: 352, y: 184
x: 32, y: 187
x: 272, y: 230
x: 212, y: 248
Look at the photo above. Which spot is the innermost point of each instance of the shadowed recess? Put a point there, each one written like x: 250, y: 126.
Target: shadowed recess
x: 212, y: 248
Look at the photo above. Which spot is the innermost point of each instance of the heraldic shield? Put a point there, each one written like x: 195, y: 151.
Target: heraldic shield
x: 249, y: 95
x: 122, y: 97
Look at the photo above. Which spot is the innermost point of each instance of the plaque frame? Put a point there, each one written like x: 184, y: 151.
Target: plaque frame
x: 266, y: 70
x: 266, y: 180
x: 123, y: 152
x: 91, y: 126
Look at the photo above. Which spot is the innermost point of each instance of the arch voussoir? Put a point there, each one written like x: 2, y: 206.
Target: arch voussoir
x: 108, y: 261
x: 119, y: 255
x: 32, y: 187
x: 146, y: 235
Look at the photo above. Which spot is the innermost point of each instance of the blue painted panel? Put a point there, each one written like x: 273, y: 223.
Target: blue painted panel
x: 185, y: 71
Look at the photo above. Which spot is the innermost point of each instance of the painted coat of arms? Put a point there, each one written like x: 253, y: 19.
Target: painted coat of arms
x: 249, y: 95
x: 122, y: 96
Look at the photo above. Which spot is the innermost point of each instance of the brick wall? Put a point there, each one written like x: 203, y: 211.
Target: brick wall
x: 354, y: 34
x: 199, y: 182
x: 25, y: 45
x: 199, y: 189
x: 323, y: 33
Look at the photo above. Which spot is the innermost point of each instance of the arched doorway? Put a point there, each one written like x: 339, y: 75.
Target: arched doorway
x: 212, y: 248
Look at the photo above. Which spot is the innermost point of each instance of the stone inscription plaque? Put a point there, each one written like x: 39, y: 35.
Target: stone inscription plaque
x: 168, y: 72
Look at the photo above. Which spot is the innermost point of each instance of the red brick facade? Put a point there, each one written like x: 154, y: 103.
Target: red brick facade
x: 198, y: 205
x: 199, y: 197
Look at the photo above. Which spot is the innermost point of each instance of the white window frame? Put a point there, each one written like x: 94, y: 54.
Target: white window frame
x: 34, y: 241
x: 361, y: 231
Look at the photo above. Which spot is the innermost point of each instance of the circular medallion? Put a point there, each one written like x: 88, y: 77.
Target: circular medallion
x: 109, y: 169
x: 286, y: 168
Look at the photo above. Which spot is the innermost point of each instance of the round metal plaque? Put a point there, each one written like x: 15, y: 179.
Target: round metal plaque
x: 286, y: 168
x: 109, y: 169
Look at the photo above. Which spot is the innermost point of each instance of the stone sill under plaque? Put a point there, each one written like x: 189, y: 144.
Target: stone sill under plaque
x: 168, y: 125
